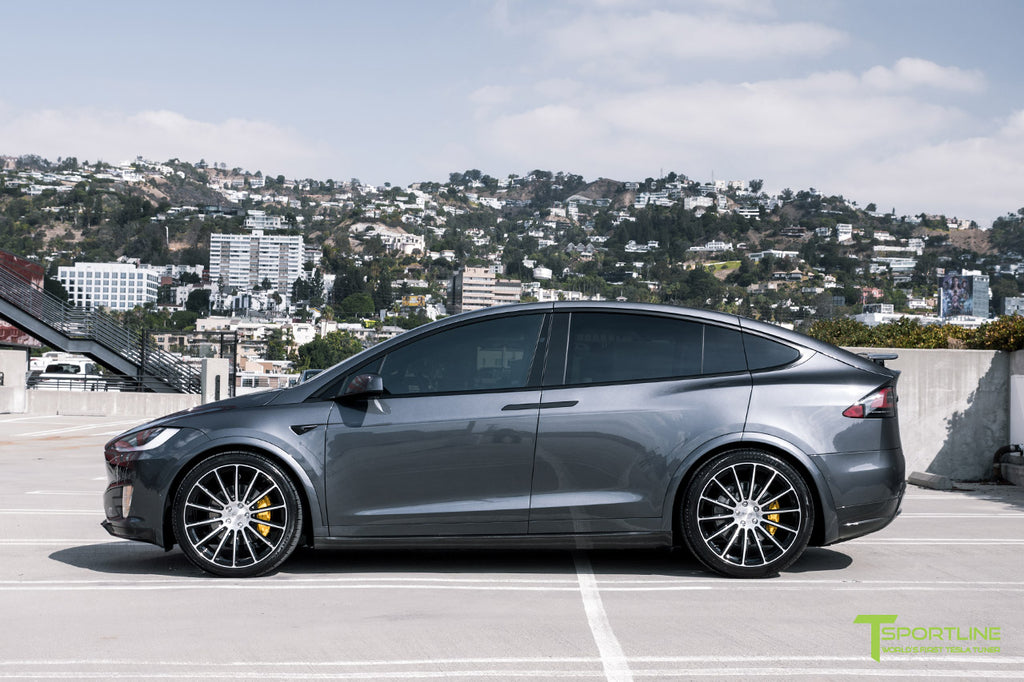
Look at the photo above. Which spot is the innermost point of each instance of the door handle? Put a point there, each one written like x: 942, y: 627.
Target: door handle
x: 539, y: 406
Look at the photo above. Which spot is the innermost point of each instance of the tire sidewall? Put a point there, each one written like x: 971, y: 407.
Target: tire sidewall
x: 289, y: 492
x: 689, y: 507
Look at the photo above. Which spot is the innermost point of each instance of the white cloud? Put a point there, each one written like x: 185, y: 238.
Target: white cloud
x: 979, y: 177
x: 838, y: 131
x: 159, y: 134
x: 909, y: 73
x: 614, y: 37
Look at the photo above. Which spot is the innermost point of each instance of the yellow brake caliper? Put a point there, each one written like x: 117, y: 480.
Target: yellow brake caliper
x: 774, y: 518
x: 265, y: 516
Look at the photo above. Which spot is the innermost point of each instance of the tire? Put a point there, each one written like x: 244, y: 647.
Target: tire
x: 747, y: 514
x: 237, y: 515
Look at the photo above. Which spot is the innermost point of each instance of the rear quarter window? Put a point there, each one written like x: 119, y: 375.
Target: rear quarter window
x: 764, y: 353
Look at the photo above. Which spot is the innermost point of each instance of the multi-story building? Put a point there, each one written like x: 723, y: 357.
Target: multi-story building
x: 259, y: 220
x: 246, y: 260
x: 118, y: 286
x: 476, y: 288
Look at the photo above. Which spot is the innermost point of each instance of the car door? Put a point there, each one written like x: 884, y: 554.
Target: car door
x: 448, y: 449
x: 635, y: 394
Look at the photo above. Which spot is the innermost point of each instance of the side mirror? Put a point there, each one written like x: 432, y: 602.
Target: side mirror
x: 363, y: 387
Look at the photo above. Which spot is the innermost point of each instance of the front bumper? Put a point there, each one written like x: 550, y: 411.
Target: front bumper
x: 136, y: 502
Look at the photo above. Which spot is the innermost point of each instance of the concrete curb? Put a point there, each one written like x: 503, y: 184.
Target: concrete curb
x: 932, y: 481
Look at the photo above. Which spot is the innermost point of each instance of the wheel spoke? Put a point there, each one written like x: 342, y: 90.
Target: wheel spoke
x: 227, y: 495
x: 732, y: 541
x: 259, y: 536
x: 780, y: 526
x: 203, y: 522
x: 205, y: 509
x: 736, y: 477
x: 760, y: 547
x: 773, y: 540
x: 248, y: 546
x: 209, y: 537
x: 260, y: 496
x: 213, y: 497
x: 766, y: 487
x: 777, y: 497
x: 720, y: 531
x: 220, y: 545
x: 725, y: 490
x: 720, y: 517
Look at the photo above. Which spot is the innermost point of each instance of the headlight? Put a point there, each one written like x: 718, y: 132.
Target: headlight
x: 124, y: 450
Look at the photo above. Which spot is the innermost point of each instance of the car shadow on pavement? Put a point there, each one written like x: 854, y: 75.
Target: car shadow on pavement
x: 139, y: 559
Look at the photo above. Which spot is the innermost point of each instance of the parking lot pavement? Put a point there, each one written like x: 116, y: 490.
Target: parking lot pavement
x: 80, y: 604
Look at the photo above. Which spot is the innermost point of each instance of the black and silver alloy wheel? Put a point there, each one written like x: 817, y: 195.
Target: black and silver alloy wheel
x: 747, y: 514
x: 237, y: 514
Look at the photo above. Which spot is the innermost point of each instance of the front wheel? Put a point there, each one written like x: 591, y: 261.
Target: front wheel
x: 747, y: 514
x: 237, y: 515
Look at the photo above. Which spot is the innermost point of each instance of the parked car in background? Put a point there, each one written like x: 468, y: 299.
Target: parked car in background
x: 546, y: 424
x: 65, y: 372
x: 308, y: 374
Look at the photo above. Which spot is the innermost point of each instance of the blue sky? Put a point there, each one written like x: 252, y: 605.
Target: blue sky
x: 915, y: 105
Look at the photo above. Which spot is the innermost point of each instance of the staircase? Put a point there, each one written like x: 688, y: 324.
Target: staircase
x: 96, y: 334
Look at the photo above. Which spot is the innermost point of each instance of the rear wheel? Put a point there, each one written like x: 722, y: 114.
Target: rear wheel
x: 747, y: 514
x: 237, y: 515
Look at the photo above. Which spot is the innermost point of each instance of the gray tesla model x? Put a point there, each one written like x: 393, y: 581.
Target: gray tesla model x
x: 545, y: 424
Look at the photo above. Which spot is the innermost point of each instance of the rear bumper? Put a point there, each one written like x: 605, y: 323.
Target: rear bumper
x: 857, y: 520
x: 866, y: 489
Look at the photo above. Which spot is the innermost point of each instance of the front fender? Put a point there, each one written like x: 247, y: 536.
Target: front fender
x: 303, y: 471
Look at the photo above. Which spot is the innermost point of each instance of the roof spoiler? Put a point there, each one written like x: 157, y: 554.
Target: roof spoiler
x: 879, y: 358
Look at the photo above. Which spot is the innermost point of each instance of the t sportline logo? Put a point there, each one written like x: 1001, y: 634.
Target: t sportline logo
x: 927, y: 640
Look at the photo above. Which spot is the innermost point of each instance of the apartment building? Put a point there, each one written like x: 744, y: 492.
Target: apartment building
x: 246, y: 260
x: 117, y: 286
x: 476, y: 288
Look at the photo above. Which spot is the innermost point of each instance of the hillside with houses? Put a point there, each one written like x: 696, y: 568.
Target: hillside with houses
x: 293, y: 260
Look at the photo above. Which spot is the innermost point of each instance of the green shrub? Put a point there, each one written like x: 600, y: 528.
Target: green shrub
x: 1004, y: 333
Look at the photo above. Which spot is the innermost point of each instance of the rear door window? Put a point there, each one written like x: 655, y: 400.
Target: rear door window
x: 613, y: 347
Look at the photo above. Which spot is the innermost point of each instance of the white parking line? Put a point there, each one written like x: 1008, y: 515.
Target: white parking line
x: 72, y: 429
x: 938, y: 541
x: 49, y: 512
x: 478, y: 668
x: 613, y: 660
x: 954, y: 515
x: 64, y: 492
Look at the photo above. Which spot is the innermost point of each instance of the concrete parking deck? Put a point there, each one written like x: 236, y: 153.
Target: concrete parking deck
x: 79, y: 604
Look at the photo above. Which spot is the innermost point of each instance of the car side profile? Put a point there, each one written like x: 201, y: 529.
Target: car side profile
x: 541, y: 425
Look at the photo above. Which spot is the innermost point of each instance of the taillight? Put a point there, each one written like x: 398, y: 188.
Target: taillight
x: 881, y: 403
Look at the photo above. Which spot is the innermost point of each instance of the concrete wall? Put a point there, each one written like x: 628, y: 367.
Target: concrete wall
x: 954, y: 408
x: 14, y: 367
x: 14, y: 398
x: 112, y: 403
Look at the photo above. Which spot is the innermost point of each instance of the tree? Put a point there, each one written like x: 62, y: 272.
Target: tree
x: 358, y: 304
x: 756, y: 185
x: 327, y: 350
x: 198, y: 301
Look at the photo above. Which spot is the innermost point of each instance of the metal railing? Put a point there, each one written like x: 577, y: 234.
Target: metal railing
x: 73, y: 322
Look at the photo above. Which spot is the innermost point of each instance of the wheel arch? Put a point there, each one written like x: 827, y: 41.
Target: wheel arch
x: 308, y: 497
x: 826, y: 524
